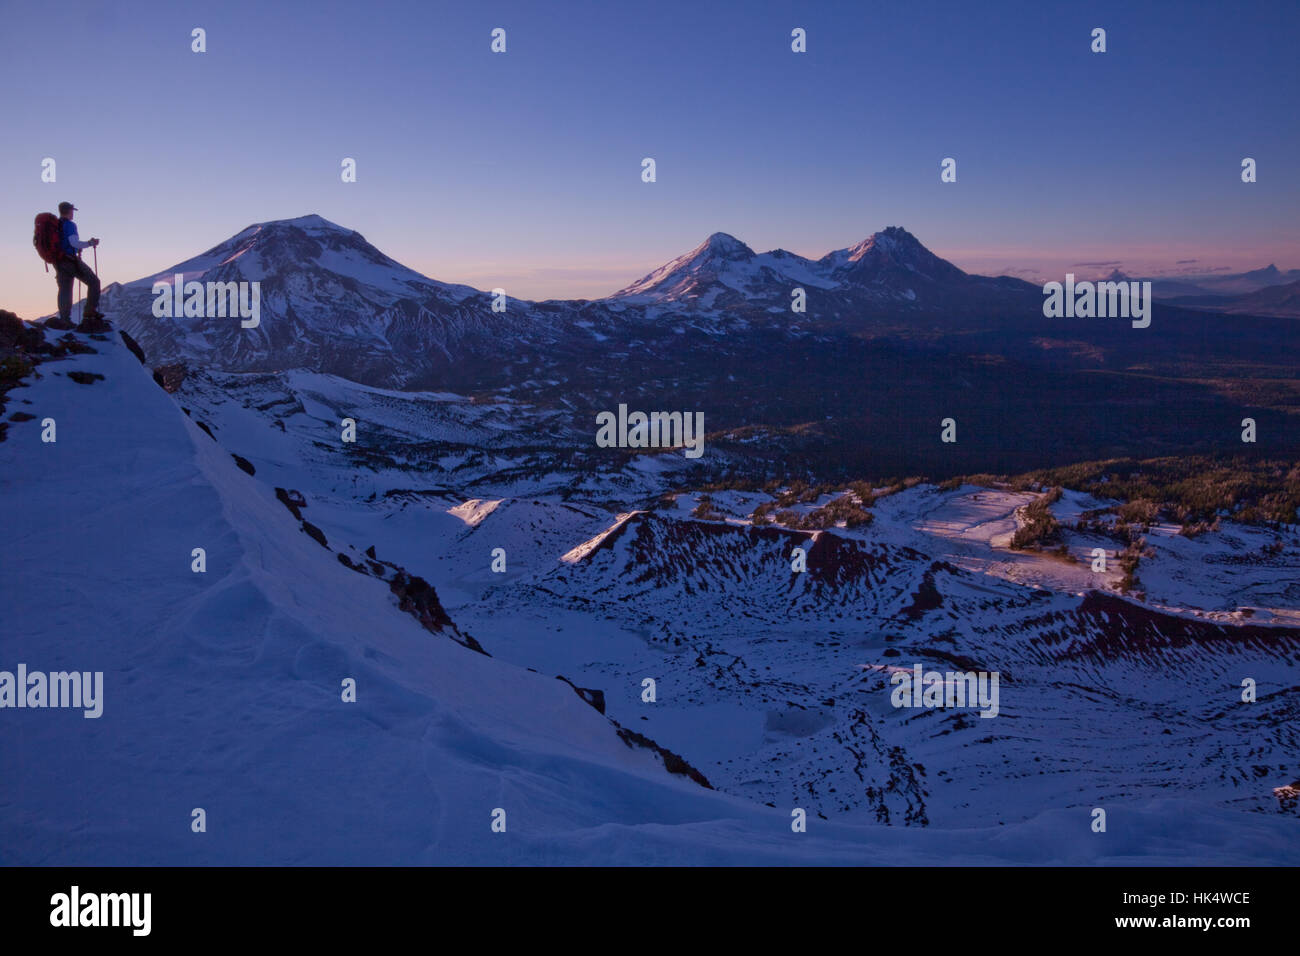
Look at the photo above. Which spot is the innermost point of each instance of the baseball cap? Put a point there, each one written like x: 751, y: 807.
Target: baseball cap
x: 66, y: 207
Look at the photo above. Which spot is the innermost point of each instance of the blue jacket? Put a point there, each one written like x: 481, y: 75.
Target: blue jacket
x: 68, y: 239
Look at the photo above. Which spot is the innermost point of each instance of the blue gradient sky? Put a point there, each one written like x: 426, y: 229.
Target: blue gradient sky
x: 523, y: 170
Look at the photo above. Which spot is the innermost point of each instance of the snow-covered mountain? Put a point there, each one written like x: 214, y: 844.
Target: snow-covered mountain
x: 329, y: 301
x: 888, y: 270
x: 722, y: 271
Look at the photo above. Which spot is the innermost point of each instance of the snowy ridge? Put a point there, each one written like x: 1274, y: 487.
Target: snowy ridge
x: 230, y: 678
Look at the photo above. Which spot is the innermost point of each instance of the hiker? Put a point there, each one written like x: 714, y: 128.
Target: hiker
x: 70, y: 268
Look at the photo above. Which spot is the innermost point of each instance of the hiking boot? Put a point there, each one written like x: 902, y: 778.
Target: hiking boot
x: 93, y: 314
x: 59, y: 322
x: 93, y: 323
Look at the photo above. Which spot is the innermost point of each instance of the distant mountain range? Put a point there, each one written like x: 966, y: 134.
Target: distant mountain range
x: 892, y: 340
x: 332, y: 301
x: 1224, y: 284
x: 1267, y: 291
x: 1277, y: 300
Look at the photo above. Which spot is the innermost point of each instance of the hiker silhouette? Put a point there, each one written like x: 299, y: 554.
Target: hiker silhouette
x: 70, y: 268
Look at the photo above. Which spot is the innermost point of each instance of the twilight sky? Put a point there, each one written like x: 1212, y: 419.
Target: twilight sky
x: 523, y: 169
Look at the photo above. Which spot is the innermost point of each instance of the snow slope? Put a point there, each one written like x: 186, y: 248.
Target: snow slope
x: 222, y: 689
x: 771, y: 682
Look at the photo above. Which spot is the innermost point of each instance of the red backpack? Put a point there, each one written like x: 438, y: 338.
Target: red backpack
x: 48, y: 239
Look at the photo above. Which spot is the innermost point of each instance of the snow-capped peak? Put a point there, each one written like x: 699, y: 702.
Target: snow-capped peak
x: 311, y: 221
x: 689, y: 274
x: 893, y: 243
x: 724, y: 246
x: 312, y: 224
x: 893, y: 240
x: 894, y: 251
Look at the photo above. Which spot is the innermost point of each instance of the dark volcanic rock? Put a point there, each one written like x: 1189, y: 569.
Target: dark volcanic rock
x: 133, y: 345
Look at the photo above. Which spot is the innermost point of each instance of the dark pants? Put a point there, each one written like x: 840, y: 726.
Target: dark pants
x: 68, y: 270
